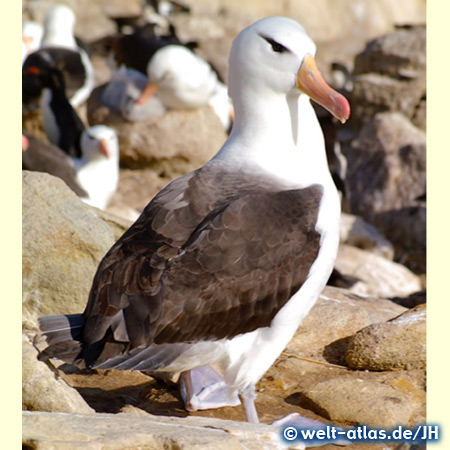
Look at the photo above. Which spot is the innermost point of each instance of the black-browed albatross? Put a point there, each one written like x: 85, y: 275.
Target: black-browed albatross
x: 61, y: 47
x: 225, y: 262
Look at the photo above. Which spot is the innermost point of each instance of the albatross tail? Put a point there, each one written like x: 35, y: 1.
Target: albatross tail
x: 63, y: 337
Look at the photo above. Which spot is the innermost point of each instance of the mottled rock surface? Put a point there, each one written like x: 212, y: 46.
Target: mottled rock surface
x: 43, y: 389
x: 373, y: 402
x: 390, y: 75
x: 338, y: 314
x: 124, y: 431
x: 378, y: 276
x: 361, y: 234
x: 399, y: 343
x: 386, y: 177
x: 63, y: 242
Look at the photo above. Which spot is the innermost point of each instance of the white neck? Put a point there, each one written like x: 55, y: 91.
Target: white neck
x: 99, y: 178
x: 281, y: 135
x: 60, y: 38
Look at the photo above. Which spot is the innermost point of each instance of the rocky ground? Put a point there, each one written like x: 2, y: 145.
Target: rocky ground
x: 360, y: 356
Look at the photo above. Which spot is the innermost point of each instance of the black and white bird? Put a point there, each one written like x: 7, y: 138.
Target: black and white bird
x: 60, y: 47
x: 32, y: 33
x: 177, y: 76
x: 61, y: 123
x: 182, y: 79
x: 40, y: 156
x: 93, y: 177
x: 122, y: 92
x: 225, y: 262
x: 154, y: 12
x: 94, y: 152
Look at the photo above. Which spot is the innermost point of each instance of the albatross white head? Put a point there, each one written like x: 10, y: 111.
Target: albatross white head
x: 59, y: 26
x: 98, y: 169
x: 276, y: 56
x: 271, y: 78
x: 180, y: 78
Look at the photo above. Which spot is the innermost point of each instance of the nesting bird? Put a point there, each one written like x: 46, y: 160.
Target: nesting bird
x: 93, y: 152
x: 40, y: 156
x: 97, y: 171
x: 59, y: 46
x: 177, y: 76
x: 122, y: 92
x: 226, y: 261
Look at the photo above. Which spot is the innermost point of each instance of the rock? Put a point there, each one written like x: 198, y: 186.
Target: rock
x: 91, y: 22
x: 63, y: 242
x: 399, y: 54
x: 393, y: 152
x: 124, y: 431
x: 379, y: 277
x: 374, y: 93
x: 43, y: 389
x: 124, y: 212
x: 120, y: 8
x: 397, y: 344
x: 358, y: 233
x: 418, y: 298
x: 390, y: 75
x: 338, y: 314
x: 172, y: 144
x: 406, y: 228
x: 215, y: 23
x: 137, y: 187
x: 319, y: 18
x: 371, y: 401
x: 117, y: 223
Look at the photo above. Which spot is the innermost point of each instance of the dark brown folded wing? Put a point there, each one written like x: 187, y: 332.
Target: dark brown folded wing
x: 205, y: 261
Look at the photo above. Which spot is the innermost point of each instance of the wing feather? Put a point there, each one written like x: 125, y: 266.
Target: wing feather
x: 204, y: 267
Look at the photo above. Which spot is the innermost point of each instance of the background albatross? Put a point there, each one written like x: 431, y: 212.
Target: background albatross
x: 225, y: 262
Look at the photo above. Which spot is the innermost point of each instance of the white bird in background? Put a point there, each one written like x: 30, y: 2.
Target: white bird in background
x: 93, y: 177
x: 59, y: 25
x: 225, y: 262
x: 59, y: 35
x: 40, y: 156
x: 122, y: 91
x: 32, y: 33
x: 94, y: 152
x: 97, y: 171
x: 177, y: 76
x: 182, y: 79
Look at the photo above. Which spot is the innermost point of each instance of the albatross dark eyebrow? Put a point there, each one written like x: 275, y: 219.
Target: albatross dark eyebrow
x: 276, y: 46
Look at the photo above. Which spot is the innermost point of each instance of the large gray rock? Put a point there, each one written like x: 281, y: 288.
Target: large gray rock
x: 386, y: 175
x: 378, y: 276
x: 43, y: 389
x: 357, y: 232
x: 338, y: 314
x: 62, y: 244
x: 92, y: 22
x: 339, y: 28
x: 386, y: 166
x: 171, y: 144
x: 372, y: 401
x: 397, y: 344
x: 59, y: 431
x: 390, y: 75
x: 399, y: 54
x: 137, y: 187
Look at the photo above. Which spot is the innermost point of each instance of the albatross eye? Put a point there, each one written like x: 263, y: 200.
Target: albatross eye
x: 276, y: 46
